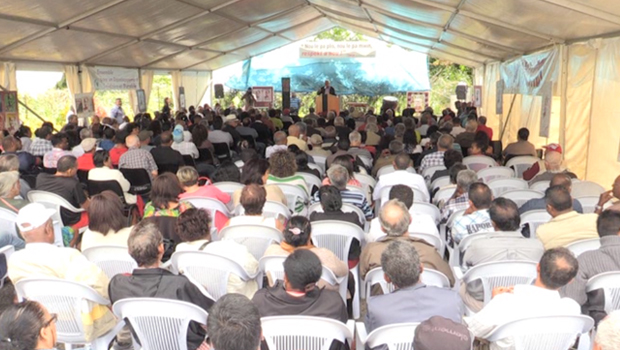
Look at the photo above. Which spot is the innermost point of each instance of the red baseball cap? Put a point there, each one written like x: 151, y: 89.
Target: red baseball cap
x: 553, y: 147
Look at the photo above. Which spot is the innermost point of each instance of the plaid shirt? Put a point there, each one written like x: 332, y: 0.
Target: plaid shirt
x: 137, y: 158
x: 454, y: 204
x: 50, y: 160
x: 39, y: 147
x: 478, y: 221
x: 431, y: 159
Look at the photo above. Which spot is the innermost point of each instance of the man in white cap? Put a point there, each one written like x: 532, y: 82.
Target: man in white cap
x: 41, y: 258
x: 317, y: 150
x: 230, y: 126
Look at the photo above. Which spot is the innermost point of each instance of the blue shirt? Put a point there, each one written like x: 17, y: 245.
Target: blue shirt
x: 117, y: 113
x: 295, y: 102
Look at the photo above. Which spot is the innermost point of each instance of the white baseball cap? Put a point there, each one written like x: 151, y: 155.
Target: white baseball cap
x: 32, y: 216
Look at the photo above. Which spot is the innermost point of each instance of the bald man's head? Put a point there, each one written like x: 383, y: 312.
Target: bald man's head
x: 563, y: 180
x: 293, y: 130
x: 553, y: 160
x: 132, y: 141
x: 394, y: 218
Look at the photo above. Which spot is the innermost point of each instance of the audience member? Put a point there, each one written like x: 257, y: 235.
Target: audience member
x: 607, y: 333
x: 27, y: 325
x: 506, y: 243
x: 441, y: 333
x: 85, y: 161
x: 119, y: 147
x: 253, y: 198
x: 412, y: 300
x: 553, y: 166
x: 608, y: 196
x: 256, y: 171
x: 476, y: 217
x: 282, y: 169
x: 436, y: 158
x: 560, y: 179
x: 104, y: 171
x: 356, y: 149
x: 395, y: 219
x: 280, y: 144
x: 164, y: 156
x: 316, y: 141
x: 234, y: 323
x: 387, y: 158
x: 450, y: 157
x: 194, y: 226
x: 27, y: 161
x: 401, y: 176
x: 466, y: 138
x: 566, y: 226
x: 218, y: 135
x: 331, y: 203
x: 594, y: 262
x: 137, y: 158
x: 107, y: 224
x: 460, y: 198
x: 146, y: 247
x: 9, y: 191
x: 189, y: 178
x: 556, y: 269
x: 298, y: 294
x: 540, y: 167
x: 522, y: 147
x: 41, y: 258
x: 165, y: 197
x: 41, y: 144
x: 183, y: 142
x: 295, y: 137
x: 301, y: 159
x: 342, y: 149
x: 60, y: 144
x: 145, y: 139
x: 339, y: 178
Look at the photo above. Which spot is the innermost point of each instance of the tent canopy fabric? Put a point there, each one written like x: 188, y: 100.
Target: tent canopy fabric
x: 392, y: 70
x: 211, y: 34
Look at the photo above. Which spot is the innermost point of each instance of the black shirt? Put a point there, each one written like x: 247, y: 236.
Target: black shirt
x: 68, y: 188
x: 160, y: 283
x: 336, y: 215
x: 166, y: 155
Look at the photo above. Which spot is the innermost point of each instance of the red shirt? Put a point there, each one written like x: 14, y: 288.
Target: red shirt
x: 487, y: 130
x: 85, y: 162
x: 116, y: 153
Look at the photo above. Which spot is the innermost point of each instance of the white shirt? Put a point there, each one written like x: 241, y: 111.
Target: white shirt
x: 92, y: 239
x: 400, y: 177
x: 525, y: 301
x: 186, y: 148
x: 107, y: 174
x: 420, y: 223
x: 219, y: 136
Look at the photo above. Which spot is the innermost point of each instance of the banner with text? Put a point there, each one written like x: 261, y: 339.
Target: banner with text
x: 111, y: 78
x: 331, y: 49
x: 528, y: 74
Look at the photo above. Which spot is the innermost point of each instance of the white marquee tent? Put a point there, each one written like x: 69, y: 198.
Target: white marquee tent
x: 570, y: 47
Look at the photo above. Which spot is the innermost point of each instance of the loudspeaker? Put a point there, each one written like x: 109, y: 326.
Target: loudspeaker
x: 286, y: 93
x: 461, y: 92
x: 219, y: 90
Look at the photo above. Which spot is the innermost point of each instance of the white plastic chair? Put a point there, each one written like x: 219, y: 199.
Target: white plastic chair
x: 432, y: 239
x: 520, y: 197
x: 160, y: 324
x: 584, y: 245
x: 228, y: 187
x: 610, y: 283
x: 337, y: 236
x: 366, y: 180
x: 54, y: 201
x: 295, y: 194
x: 397, y: 336
x: 499, y: 186
x: 430, y: 171
x: 304, y: 332
x: 477, y: 163
x: 257, y: 238
x: 366, y: 160
x: 7, y: 221
x: 534, y: 218
x: 346, y: 208
x: 211, y: 271
x: 67, y: 300
x: 457, y: 253
x: 588, y: 203
x: 212, y: 206
x: 426, y: 208
x: 540, y: 186
x: 443, y: 195
x: 418, y: 196
x: 496, y: 172
x: 6, y: 251
x: 270, y: 210
x: 440, y: 182
x: 311, y: 180
x: 113, y: 260
x: 429, y: 277
x: 545, y: 332
x: 385, y: 170
x: 445, y: 229
x: 499, y: 274
x: 314, y: 166
x: 320, y: 162
x: 520, y: 164
x: 586, y: 188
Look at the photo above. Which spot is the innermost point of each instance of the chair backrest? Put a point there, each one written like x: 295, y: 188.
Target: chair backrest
x: 521, y: 164
x: 189, y: 160
x: 212, y: 206
x: 584, y: 245
x: 320, y: 162
x: 434, y: 278
x: 272, y: 266
x: 418, y: 196
x: 167, y: 168
x: 64, y: 298
x: 168, y: 227
x: 588, y: 203
x: 113, y: 260
x: 311, y: 180
x: 7, y: 221
x: 160, y: 324
x: 609, y: 282
x: 376, y: 276
x: 222, y: 151
x: 443, y: 194
x: 270, y: 210
x: 303, y: 332
x: 314, y: 166
x: 96, y: 187
x: 346, y: 208
x: 138, y: 178
x: 432, y: 239
x: 499, y: 186
x: 366, y: 180
x: 428, y: 172
x: 440, y: 182
x: 497, y: 172
x: 228, y: 187
x: 533, y: 219
x: 543, y: 332
x: 52, y: 201
x: 385, y: 170
x: 336, y: 236
x: 209, y: 270
x: 586, y: 188
x: 82, y: 176
x: 426, y: 208
x: 522, y: 196
x: 457, y: 254
x: 540, y: 186
x: 294, y: 194
x: 256, y: 238
x: 501, y: 274
x: 477, y: 163
x: 397, y: 336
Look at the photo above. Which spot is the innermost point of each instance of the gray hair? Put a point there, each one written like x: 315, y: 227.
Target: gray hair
x: 371, y: 120
x: 394, y: 218
x: 607, y: 334
x: 355, y: 137
x: 338, y: 176
x: 339, y: 121
x: 279, y: 137
x: 401, y: 262
x: 303, y: 128
x: 445, y: 141
x: 399, y: 130
x: 9, y: 162
x: 8, y: 179
x: 331, y: 115
x: 465, y: 178
x: 372, y: 127
x: 143, y: 243
x: 85, y: 133
x: 234, y: 323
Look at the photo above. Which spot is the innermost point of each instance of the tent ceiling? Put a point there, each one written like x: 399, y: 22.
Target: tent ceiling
x: 210, y: 34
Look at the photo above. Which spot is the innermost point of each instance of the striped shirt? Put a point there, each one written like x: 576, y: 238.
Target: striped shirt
x: 354, y: 198
x: 294, y: 180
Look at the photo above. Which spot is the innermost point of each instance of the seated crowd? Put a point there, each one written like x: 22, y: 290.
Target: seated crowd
x: 290, y: 211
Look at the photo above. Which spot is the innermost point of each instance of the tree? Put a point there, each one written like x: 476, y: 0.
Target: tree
x: 444, y: 77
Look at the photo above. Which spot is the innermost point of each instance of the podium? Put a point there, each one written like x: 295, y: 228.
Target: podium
x: 326, y: 103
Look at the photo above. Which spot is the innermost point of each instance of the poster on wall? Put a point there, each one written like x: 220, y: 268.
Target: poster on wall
x: 499, y: 97
x: 418, y: 100
x: 84, y: 105
x: 477, y: 98
x: 264, y: 96
x: 112, y: 78
x: 9, y: 111
x: 141, y: 96
x: 545, y: 110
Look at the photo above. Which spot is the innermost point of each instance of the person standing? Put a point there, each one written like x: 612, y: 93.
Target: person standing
x: 166, y: 108
x: 249, y: 99
x: 295, y: 104
x: 327, y: 89
x: 117, y: 112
